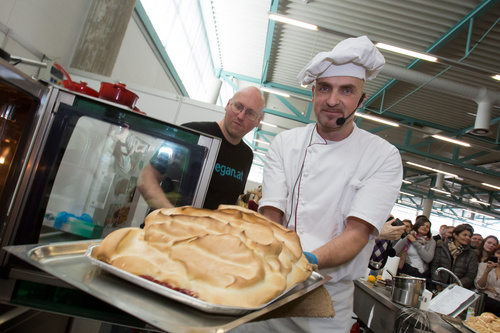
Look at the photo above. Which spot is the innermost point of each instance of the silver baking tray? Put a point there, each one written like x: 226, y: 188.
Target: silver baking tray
x: 186, y: 299
x: 69, y: 262
x: 470, y: 328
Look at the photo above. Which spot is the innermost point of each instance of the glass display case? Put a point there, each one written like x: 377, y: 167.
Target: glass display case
x: 70, y: 166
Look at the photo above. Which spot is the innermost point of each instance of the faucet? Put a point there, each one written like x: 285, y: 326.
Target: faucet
x: 451, y: 273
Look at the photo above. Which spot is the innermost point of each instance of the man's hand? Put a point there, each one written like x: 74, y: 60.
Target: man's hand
x: 149, y: 186
x: 391, y: 232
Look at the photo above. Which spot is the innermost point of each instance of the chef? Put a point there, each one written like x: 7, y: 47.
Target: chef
x: 332, y: 182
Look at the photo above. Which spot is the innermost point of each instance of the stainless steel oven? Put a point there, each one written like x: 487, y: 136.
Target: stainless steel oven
x: 69, y: 170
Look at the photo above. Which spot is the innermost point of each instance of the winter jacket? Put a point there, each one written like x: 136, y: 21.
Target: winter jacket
x: 465, y: 267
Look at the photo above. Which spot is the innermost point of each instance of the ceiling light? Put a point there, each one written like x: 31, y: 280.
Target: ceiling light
x: 408, y: 194
x: 479, y: 202
x: 264, y: 142
x: 445, y: 138
x: 493, y: 186
x: 496, y: 77
x: 406, y: 181
x: 287, y: 20
x: 406, y: 52
x: 275, y: 92
x: 268, y: 124
x: 258, y: 152
x: 435, y: 170
x: 441, y: 191
x: 420, y: 166
x: 377, y: 119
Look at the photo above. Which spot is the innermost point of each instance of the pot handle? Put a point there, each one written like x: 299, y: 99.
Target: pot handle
x: 59, y: 67
x: 425, y: 299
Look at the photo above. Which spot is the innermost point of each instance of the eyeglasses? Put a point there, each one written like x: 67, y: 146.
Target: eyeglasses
x: 249, y: 113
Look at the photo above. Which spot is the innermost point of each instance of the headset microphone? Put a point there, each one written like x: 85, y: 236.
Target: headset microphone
x: 341, y: 121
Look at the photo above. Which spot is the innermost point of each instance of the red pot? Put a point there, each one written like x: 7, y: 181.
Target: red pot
x: 75, y: 86
x: 116, y: 92
x: 80, y: 87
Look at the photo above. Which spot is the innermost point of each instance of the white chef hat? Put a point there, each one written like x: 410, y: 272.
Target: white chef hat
x: 356, y: 57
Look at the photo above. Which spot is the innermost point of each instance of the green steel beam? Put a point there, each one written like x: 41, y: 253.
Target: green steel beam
x: 460, y: 26
x: 158, y: 47
x: 309, y: 111
x: 447, y: 160
x: 293, y: 90
x: 269, y: 41
x: 239, y: 76
x: 292, y: 108
x: 230, y: 82
x: 265, y: 133
x: 302, y: 119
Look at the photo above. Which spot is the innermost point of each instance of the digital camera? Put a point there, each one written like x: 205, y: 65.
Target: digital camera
x: 397, y: 223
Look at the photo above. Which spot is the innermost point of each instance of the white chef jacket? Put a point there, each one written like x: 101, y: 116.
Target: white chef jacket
x: 318, y: 184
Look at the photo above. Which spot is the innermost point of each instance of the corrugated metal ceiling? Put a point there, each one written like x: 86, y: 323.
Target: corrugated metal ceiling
x: 464, y: 35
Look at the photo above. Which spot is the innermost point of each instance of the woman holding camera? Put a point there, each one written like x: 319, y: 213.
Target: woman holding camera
x: 484, y: 249
x: 417, y: 249
x: 488, y: 281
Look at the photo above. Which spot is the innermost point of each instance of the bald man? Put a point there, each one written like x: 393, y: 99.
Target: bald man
x: 243, y: 112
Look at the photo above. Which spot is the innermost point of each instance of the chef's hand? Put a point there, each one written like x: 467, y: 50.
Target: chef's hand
x: 311, y: 258
x: 391, y: 232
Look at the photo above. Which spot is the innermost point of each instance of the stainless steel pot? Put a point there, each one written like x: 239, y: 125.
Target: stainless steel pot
x: 407, y: 290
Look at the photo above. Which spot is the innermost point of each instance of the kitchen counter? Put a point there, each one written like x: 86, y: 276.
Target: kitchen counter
x: 374, y: 307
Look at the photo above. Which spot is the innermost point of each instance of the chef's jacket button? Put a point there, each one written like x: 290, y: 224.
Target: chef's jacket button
x: 306, y: 174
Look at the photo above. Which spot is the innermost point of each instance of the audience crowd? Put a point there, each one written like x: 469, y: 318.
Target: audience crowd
x: 456, y: 255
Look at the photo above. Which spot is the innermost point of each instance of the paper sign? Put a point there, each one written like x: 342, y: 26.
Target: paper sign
x: 451, y: 299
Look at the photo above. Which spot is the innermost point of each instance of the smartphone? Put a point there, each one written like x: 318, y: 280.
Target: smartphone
x: 493, y: 259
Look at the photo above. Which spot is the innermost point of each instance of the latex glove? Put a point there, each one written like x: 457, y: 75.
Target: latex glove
x: 311, y: 258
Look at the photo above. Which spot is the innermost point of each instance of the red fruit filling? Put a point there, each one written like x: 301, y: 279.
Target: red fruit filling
x: 165, y: 284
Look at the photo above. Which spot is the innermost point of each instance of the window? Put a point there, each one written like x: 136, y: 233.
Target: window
x: 180, y: 27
